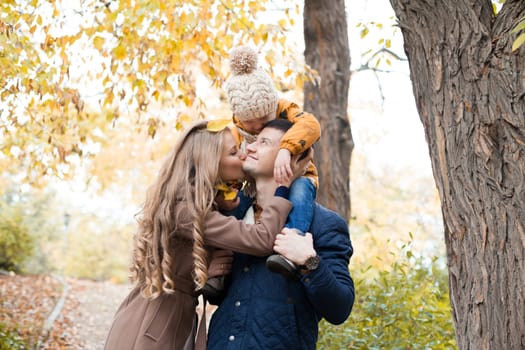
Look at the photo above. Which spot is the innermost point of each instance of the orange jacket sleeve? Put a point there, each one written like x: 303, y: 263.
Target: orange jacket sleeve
x: 305, y: 131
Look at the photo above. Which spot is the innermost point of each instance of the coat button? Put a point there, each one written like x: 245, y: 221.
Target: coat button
x: 231, y: 338
x: 246, y: 269
x: 237, y: 303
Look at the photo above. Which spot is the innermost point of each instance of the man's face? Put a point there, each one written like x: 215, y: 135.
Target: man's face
x: 261, y: 154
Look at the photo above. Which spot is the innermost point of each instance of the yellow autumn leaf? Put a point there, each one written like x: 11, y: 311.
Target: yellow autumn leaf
x: 364, y: 32
x: 227, y: 192
x: 109, y: 97
x: 156, y: 95
x: 230, y: 195
x: 188, y: 101
x: 98, y: 42
x: 228, y: 41
x: 184, y: 118
x: 520, y: 26
x: 217, y: 125
x: 518, y: 42
x: 119, y: 52
x: 299, y: 81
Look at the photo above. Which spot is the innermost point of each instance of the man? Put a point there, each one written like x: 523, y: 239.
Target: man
x: 265, y: 310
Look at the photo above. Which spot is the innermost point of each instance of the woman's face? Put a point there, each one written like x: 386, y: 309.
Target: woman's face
x: 230, y: 165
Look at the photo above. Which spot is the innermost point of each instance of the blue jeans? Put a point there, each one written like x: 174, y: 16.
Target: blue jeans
x: 302, y: 196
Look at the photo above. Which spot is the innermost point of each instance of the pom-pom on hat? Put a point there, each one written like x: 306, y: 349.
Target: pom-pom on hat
x: 250, y: 91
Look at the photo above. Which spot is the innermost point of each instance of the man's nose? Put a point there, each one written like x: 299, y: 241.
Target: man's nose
x: 250, y: 148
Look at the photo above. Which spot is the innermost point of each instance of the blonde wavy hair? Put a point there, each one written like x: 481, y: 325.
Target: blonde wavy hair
x: 186, y: 181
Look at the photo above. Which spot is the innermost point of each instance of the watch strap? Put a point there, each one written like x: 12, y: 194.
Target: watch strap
x: 312, y: 263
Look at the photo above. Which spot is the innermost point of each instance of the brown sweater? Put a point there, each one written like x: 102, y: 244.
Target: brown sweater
x: 166, y: 322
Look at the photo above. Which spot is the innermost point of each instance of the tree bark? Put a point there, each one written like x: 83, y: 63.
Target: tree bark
x: 469, y: 90
x: 327, y: 51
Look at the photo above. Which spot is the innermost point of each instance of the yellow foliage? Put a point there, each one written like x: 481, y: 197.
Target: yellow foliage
x: 228, y: 193
x: 125, y: 56
x: 218, y: 124
x: 364, y: 32
x: 98, y: 42
x: 119, y: 52
x: 518, y: 42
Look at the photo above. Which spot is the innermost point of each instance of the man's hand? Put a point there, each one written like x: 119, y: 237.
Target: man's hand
x: 293, y: 246
x: 282, y: 170
x: 221, y: 263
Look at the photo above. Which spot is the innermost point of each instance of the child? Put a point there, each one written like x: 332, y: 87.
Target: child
x: 254, y: 102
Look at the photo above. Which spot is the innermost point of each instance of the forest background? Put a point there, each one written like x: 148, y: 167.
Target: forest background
x: 78, y: 220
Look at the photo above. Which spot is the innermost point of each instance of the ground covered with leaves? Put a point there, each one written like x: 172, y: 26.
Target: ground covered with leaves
x: 26, y: 302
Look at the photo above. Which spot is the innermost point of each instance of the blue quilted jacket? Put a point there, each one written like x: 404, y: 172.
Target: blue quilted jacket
x: 264, y: 310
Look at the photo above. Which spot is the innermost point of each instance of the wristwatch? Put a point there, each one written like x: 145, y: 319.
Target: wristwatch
x: 311, y: 263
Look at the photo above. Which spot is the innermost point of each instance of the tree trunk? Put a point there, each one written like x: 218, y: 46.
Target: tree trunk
x: 469, y: 90
x: 327, y: 51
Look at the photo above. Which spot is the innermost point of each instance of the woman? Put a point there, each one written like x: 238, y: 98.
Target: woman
x: 178, y: 222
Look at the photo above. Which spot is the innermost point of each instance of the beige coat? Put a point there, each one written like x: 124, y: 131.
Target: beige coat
x: 166, y: 322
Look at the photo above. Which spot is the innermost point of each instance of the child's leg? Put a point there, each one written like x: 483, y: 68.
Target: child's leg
x: 302, y: 196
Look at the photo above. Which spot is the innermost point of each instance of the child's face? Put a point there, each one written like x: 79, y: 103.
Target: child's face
x: 254, y: 126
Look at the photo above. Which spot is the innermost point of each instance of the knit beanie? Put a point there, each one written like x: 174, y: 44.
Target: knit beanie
x: 250, y: 91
